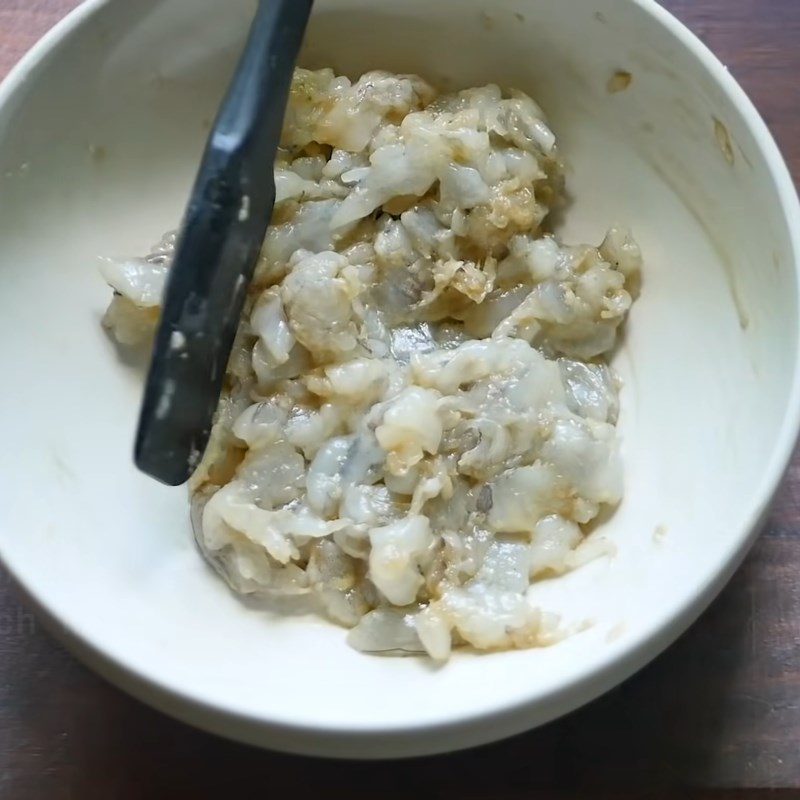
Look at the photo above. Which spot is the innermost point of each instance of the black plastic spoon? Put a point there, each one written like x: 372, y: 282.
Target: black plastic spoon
x: 223, y: 229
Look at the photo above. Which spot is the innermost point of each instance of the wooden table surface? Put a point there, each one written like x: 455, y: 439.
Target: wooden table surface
x: 721, y: 709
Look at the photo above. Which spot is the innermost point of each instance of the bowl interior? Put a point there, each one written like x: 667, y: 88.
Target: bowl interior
x: 99, y: 139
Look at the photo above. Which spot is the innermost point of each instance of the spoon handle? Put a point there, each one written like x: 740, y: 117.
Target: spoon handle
x: 222, y: 233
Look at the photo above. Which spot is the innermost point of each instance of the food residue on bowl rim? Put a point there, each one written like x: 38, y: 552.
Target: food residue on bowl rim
x: 619, y: 81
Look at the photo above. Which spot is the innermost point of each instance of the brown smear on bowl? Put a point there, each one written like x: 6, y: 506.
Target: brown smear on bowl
x: 619, y: 81
x: 724, y: 140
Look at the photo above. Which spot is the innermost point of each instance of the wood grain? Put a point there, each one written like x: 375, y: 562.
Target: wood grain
x: 720, y: 709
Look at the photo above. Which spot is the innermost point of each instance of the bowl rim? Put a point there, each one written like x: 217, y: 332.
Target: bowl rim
x: 506, y: 718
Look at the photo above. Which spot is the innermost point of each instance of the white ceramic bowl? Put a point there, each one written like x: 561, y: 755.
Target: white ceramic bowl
x: 101, y: 128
